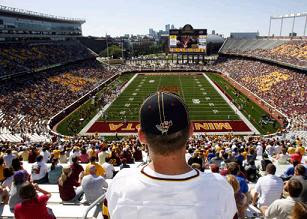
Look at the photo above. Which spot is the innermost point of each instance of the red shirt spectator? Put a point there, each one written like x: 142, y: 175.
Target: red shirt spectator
x: 33, y: 209
x: 32, y: 205
x: 296, y: 157
x: 76, y: 169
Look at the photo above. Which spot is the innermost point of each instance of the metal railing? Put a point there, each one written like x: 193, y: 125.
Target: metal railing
x: 37, y: 14
x: 94, y: 204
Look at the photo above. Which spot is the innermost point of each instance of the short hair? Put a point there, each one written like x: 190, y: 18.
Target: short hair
x: 27, y: 191
x: 39, y: 158
x: 74, y: 159
x: 167, y: 144
x: 299, y: 210
x: 270, y: 169
x: 295, y: 188
x: 232, y: 180
x: 92, y: 159
x: 233, y: 168
x: 300, y: 169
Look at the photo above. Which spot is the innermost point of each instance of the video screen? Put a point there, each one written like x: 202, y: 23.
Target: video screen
x: 192, y: 42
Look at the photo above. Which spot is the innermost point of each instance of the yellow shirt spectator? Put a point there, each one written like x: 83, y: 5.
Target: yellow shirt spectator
x: 302, y: 150
x: 291, y: 150
x: 100, y: 171
x: 56, y: 154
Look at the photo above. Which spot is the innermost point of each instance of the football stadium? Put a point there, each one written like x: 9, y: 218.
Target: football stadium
x: 178, y: 123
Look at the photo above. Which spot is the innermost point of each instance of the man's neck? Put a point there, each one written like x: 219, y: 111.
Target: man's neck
x: 169, y: 165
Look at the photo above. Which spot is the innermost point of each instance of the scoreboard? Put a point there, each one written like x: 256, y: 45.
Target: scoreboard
x: 188, y: 40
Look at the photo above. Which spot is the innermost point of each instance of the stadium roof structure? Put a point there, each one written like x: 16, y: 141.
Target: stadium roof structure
x: 5, y: 10
x: 292, y: 15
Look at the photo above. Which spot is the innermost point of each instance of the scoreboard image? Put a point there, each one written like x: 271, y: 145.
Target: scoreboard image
x: 188, y: 40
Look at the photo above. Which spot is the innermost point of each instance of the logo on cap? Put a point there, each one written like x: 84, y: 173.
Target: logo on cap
x: 164, y: 126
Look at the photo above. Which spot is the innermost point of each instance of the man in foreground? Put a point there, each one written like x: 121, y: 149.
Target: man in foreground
x: 167, y: 187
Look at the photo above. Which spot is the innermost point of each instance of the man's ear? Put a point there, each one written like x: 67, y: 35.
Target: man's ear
x: 191, y: 129
x: 142, y: 137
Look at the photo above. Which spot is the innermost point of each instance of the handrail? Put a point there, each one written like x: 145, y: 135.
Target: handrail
x: 93, y: 205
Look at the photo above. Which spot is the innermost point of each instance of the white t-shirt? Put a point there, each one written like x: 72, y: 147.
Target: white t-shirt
x: 269, y: 188
x: 39, y: 170
x: 143, y: 193
x: 8, y: 159
x: 259, y: 150
x: 46, y: 155
x: 109, y: 170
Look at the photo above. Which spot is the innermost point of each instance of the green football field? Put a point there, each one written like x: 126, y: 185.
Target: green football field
x: 203, y: 101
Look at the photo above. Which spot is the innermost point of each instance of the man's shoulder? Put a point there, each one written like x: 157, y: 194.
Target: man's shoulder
x: 217, y: 181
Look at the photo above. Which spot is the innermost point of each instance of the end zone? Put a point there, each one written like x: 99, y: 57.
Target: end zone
x: 221, y: 127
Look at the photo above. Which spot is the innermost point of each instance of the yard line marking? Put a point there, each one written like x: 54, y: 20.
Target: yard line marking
x: 215, y: 111
x: 181, y: 88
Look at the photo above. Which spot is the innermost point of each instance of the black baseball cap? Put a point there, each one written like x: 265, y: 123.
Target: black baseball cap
x: 163, y: 113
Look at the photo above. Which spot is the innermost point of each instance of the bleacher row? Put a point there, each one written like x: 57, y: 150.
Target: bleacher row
x: 282, y: 51
x: 21, y: 57
x: 250, y: 44
x: 62, y: 210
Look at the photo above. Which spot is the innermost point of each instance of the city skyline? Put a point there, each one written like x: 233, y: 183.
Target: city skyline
x: 137, y: 17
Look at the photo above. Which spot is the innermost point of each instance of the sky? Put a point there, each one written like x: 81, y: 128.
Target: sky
x: 119, y: 17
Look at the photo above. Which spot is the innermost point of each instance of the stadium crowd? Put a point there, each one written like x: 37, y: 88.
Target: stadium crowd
x: 282, y: 88
x: 292, y: 52
x: 27, y: 103
x: 17, y: 57
x: 81, y: 166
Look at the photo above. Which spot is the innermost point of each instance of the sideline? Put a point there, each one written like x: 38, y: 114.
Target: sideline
x: 234, y: 108
x: 100, y: 113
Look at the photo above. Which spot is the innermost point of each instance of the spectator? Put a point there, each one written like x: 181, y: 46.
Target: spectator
x: 8, y: 158
x: 93, y: 185
x: 76, y: 171
x: 124, y: 164
x: 32, y: 155
x: 281, y: 208
x: 8, y: 174
x: 84, y: 157
x: 299, y: 211
x: 39, y: 173
x: 300, y: 175
x: 66, y: 187
x: 102, y: 155
x: 24, y: 153
x: 268, y: 188
x: 283, y: 158
x: 32, y: 205
x: 99, y: 169
x: 55, y: 171
x: 290, y: 171
x: 1, y: 169
x: 166, y: 128
x: 265, y: 161
x: 241, y: 199
x: 233, y: 168
x: 16, y: 164
x: 46, y: 155
x: 20, y: 177
x: 110, y: 171
x: 296, y: 156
